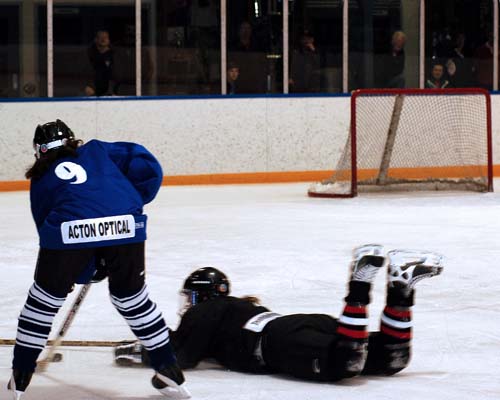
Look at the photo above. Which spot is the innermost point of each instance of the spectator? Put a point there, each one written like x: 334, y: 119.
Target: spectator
x: 246, y: 41
x: 247, y: 54
x: 233, y: 73
x: 483, y: 64
x: 100, y: 55
x: 458, y: 67
x: 442, y: 44
x: 437, y: 80
x: 305, y: 66
x: 392, y: 68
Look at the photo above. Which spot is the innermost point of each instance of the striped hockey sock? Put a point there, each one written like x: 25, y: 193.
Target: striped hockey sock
x: 352, y: 345
x: 147, y: 324
x: 35, y: 323
x: 396, y: 333
x: 396, y: 323
x: 353, y: 322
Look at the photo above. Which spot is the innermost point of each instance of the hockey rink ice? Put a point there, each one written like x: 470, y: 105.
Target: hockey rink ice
x: 293, y: 252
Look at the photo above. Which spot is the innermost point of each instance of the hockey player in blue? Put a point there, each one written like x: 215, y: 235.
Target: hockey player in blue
x: 87, y: 203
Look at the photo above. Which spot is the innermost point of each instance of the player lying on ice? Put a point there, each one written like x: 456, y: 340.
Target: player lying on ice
x: 244, y: 336
x: 87, y: 202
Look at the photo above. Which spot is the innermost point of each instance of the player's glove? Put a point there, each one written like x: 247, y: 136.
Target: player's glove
x: 101, y: 271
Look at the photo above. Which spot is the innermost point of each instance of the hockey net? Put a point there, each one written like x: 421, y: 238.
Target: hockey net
x: 414, y: 139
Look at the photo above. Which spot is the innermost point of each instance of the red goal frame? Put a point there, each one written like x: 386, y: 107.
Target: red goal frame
x: 458, y: 91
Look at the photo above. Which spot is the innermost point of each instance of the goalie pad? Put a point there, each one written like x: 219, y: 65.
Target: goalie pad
x: 131, y: 354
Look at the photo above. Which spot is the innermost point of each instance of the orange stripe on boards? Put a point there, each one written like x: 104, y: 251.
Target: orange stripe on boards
x: 214, y: 179
x: 295, y: 176
x: 428, y: 172
x: 11, y: 186
x: 247, y: 177
x: 312, y: 176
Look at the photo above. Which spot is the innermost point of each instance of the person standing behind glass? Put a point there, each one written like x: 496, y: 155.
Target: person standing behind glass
x: 100, y: 56
x: 392, y: 69
x: 305, y: 67
x: 245, y: 41
x: 483, y: 63
x: 247, y: 53
x: 458, y: 66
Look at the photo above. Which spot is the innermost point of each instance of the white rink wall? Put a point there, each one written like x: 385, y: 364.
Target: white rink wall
x: 199, y: 136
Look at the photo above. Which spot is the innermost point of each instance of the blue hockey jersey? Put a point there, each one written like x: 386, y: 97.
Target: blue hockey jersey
x: 97, y: 198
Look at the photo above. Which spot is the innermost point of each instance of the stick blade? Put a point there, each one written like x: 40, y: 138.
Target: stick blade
x: 42, y: 365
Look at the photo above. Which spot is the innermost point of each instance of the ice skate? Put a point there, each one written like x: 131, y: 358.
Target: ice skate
x: 407, y: 267
x: 18, y: 383
x: 169, y: 382
x: 367, y: 261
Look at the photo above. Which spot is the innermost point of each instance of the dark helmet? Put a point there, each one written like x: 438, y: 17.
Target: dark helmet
x: 50, y: 136
x: 204, y: 284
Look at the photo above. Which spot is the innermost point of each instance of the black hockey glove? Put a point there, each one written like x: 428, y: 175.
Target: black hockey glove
x: 101, y: 272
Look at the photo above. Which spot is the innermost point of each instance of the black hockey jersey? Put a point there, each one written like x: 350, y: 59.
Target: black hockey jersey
x: 214, y: 329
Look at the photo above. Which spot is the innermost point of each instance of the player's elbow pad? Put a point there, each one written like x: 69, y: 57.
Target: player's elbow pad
x: 146, y: 176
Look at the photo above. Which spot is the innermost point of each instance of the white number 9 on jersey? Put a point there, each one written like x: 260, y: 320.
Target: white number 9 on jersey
x: 68, y: 170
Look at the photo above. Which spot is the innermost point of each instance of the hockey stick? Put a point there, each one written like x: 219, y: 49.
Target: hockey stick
x: 42, y: 364
x: 74, y: 343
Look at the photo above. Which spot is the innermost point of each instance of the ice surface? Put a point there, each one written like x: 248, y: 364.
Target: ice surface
x: 292, y: 251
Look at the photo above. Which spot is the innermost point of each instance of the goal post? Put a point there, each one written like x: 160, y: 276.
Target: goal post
x: 414, y: 139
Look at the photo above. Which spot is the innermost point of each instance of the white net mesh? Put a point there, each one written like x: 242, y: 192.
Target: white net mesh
x: 415, y: 141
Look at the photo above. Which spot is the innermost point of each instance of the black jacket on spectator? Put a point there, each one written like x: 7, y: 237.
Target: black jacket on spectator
x: 390, y: 70
x: 102, y: 63
x: 305, y: 71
